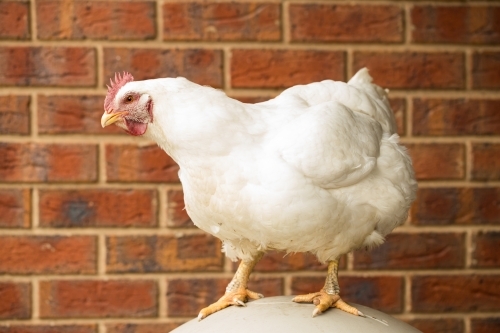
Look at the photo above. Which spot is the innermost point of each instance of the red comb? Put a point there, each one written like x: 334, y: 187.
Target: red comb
x: 120, y: 81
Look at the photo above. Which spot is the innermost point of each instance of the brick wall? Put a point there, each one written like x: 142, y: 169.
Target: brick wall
x: 93, y: 237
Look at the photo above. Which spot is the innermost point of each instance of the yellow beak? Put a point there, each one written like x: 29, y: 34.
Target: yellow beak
x: 110, y: 118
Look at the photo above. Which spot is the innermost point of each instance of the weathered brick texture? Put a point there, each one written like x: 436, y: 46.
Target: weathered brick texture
x: 14, y: 20
x: 94, y: 234
x: 91, y: 298
x: 14, y: 115
x: 16, y: 300
x: 450, y: 293
x: 132, y: 163
x: 251, y: 68
x: 344, y: 23
x: 39, y: 162
x: 48, y: 329
x: 148, y: 254
x: 96, y: 20
x: 249, y: 21
x: 98, y: 208
x: 48, y: 254
x: 72, y: 114
x: 15, y: 208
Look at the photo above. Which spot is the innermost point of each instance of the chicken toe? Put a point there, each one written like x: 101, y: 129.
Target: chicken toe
x: 238, y: 298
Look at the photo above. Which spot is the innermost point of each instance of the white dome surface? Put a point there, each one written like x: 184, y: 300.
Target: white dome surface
x: 280, y: 314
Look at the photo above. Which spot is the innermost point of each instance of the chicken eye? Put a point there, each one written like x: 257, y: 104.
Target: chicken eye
x: 129, y: 98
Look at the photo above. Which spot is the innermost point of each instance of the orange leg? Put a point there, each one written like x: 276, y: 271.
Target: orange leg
x: 328, y: 297
x: 236, y: 291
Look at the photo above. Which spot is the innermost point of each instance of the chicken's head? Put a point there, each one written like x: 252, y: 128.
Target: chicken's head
x: 129, y: 108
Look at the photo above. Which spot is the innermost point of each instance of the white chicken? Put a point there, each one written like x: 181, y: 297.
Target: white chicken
x: 317, y: 169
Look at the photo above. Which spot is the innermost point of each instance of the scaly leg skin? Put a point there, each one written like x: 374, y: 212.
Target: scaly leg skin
x: 236, y: 291
x: 328, y: 297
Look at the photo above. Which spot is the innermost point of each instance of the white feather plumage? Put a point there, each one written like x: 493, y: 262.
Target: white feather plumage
x: 317, y: 169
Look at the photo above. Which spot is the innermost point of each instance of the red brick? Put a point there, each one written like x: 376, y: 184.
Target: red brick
x: 413, y: 70
x: 251, y: 68
x: 139, y: 254
x: 140, y: 328
x: 72, y: 114
x: 48, y: 254
x: 16, y: 300
x: 250, y: 21
x: 32, y: 162
x: 48, y: 66
x: 486, y: 250
x: 485, y: 325
x: 486, y: 161
x: 58, y: 20
x: 485, y: 73
x: 48, y: 329
x: 384, y: 293
x: 252, y: 99
x: 415, y: 251
x: 438, y: 161
x: 98, y: 208
x: 186, y: 297
x: 15, y: 208
x: 442, y: 117
x: 445, y: 325
x: 398, y: 106
x: 176, y: 211
x: 456, y: 24
x: 461, y: 206
x: 455, y: 293
x: 346, y: 23
x: 98, y: 299
x: 14, y: 18
x: 202, y: 66
x: 281, y: 261
x: 14, y: 114
x: 131, y: 163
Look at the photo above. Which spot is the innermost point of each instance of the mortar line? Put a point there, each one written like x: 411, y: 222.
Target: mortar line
x: 35, y: 299
x: 162, y: 297
x: 285, y: 23
x: 159, y: 21
x: 33, y: 116
x: 279, y: 44
x: 407, y: 294
x: 35, y: 208
x: 271, y: 92
x: 226, y: 68
x: 153, y: 276
x: 408, y: 27
x: 467, y: 323
x: 32, y: 21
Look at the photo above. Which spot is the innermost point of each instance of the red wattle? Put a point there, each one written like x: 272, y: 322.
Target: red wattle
x: 135, y: 128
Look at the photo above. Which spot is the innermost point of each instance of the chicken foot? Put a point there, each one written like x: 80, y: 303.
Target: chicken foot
x: 328, y: 297
x: 236, y: 291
